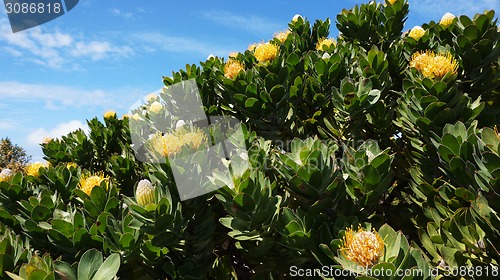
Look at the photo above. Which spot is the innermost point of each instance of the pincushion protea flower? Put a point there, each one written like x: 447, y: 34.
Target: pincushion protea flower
x: 362, y: 247
x: 281, y: 36
x: 6, y: 175
x: 233, y: 68
x: 151, y: 97
x: 433, y: 65
x: 145, y: 193
x: 447, y: 20
x: 266, y: 52
x: 252, y: 47
x: 324, y: 43
x: 155, y: 107
x: 33, y: 169
x: 109, y: 114
x: 70, y: 165
x: 417, y: 32
x: 172, y: 143
x: 89, y: 181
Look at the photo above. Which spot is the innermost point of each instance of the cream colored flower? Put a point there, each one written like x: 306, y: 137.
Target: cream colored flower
x: 447, y: 20
x: 362, y: 247
x: 6, y: 175
x: 145, y: 193
x: 151, y: 97
x: 266, y: 52
x: 417, y: 32
x: 296, y: 18
x: 281, y: 36
x: 155, y: 107
x: 252, y: 47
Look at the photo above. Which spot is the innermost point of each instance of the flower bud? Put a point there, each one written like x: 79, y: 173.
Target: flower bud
x: 145, y: 193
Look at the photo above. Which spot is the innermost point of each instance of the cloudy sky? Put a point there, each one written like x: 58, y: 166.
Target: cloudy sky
x: 106, y: 55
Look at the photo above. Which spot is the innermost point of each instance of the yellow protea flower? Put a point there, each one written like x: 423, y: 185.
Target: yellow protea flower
x: 70, y: 165
x: 172, y: 143
x: 89, y: 181
x: 447, y: 20
x: 392, y: 1
x: 416, y: 32
x: 155, y: 107
x: 433, y: 65
x: 324, y: 42
x: 281, y: 36
x: 145, y: 193
x: 109, y: 114
x: 362, y: 247
x: 6, y: 175
x: 265, y: 52
x: 233, y: 68
x: 233, y: 54
x: 47, y: 140
x: 252, y: 47
x: 151, y: 97
x: 125, y: 116
x: 136, y: 117
x: 32, y: 169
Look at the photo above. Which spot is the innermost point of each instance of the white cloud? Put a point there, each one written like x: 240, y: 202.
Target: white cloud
x: 251, y: 23
x: 59, y: 97
x: 117, y: 12
x: 6, y: 124
x: 98, y: 50
x: 39, y: 135
x: 56, y: 49
x: 153, y: 41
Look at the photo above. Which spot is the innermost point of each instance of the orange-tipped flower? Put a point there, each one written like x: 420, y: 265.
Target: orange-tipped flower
x: 362, y: 247
x: 233, y: 68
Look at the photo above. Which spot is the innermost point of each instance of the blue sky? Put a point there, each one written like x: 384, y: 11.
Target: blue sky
x: 106, y: 55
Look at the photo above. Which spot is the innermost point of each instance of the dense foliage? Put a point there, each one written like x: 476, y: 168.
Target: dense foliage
x: 375, y: 151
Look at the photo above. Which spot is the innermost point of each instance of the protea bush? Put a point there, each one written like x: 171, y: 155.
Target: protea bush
x: 369, y: 154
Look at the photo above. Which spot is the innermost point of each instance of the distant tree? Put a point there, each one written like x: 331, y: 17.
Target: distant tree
x: 12, y: 156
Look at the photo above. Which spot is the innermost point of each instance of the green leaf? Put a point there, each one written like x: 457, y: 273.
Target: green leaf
x: 108, y: 269
x: 64, y: 270
x: 89, y: 264
x: 250, y: 102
